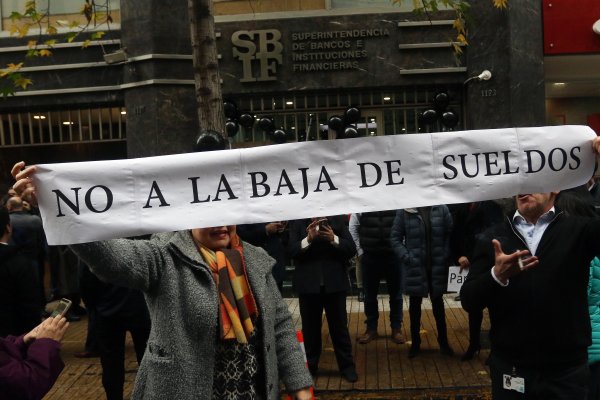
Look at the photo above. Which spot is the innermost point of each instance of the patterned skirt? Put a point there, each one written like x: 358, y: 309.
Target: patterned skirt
x: 237, y: 373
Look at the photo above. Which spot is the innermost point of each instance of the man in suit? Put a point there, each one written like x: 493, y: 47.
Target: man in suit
x: 321, y: 249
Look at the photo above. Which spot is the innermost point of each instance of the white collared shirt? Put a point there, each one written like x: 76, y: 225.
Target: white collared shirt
x: 532, y: 233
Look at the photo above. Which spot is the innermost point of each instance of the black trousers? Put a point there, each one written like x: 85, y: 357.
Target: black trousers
x: 311, y: 312
x: 439, y: 314
x: 570, y: 383
x: 111, y: 340
x: 475, y: 320
x: 594, y: 386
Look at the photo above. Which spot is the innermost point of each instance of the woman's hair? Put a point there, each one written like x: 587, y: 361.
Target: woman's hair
x: 572, y: 204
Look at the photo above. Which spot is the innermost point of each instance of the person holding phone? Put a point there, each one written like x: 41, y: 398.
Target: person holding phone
x: 321, y: 249
x: 30, y: 364
x: 220, y: 328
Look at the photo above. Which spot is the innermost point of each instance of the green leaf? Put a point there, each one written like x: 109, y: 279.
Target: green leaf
x: 15, y: 16
x: 97, y: 35
x: 6, y: 91
x: 71, y: 36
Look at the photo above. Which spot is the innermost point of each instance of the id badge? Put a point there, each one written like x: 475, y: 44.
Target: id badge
x: 512, y: 382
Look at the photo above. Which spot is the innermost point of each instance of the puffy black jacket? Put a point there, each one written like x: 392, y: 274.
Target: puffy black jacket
x: 374, y: 231
x: 409, y: 242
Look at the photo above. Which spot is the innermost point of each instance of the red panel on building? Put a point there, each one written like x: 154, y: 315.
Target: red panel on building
x: 568, y: 26
x: 593, y: 121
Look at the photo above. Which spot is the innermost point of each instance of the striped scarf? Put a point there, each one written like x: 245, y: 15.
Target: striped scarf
x: 237, y: 307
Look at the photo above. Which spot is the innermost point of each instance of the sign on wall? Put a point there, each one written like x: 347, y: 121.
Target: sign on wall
x: 320, y: 52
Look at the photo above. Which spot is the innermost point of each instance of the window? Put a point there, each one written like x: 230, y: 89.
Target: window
x: 404, y: 6
x: 62, y: 127
x: 69, y: 10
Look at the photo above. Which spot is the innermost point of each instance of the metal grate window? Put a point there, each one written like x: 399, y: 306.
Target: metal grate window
x: 303, y: 116
x: 62, y: 127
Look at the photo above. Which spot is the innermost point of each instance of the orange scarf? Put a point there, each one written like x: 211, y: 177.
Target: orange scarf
x: 237, y: 307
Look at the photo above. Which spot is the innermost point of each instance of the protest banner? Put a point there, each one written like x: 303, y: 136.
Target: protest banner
x: 89, y: 201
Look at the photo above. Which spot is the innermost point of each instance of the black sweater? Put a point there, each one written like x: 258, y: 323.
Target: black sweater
x: 541, y: 318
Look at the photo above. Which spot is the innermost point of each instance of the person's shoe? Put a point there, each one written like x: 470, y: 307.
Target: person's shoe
x: 349, y: 374
x: 457, y: 298
x: 415, y: 349
x: 470, y: 353
x: 86, y: 354
x: 446, y: 350
x: 397, y: 336
x: 361, y: 296
x: 368, y: 336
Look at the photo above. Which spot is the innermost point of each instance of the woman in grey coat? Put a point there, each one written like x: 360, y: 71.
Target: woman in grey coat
x: 207, y: 339
x: 421, y: 239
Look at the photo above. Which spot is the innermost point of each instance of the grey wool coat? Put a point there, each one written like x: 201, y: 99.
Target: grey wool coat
x: 409, y: 242
x: 183, y: 304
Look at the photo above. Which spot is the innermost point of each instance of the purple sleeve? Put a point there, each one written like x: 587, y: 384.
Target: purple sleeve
x: 30, y: 371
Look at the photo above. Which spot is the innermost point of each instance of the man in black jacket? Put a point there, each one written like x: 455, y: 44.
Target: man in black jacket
x: 371, y: 234
x: 321, y: 249
x: 532, y: 272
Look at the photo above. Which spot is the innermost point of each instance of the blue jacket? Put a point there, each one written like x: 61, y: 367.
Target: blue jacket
x: 409, y: 242
x: 594, y: 304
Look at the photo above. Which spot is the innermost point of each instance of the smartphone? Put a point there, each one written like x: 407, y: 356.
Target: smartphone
x: 62, y: 308
x: 324, y: 223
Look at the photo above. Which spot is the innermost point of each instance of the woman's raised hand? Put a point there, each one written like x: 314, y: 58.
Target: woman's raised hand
x: 24, y: 184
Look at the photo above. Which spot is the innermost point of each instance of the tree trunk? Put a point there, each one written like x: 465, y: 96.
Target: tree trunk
x: 206, y: 66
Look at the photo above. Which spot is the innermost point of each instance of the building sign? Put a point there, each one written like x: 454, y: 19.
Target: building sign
x: 260, y: 50
x: 328, y: 52
x: 332, y: 50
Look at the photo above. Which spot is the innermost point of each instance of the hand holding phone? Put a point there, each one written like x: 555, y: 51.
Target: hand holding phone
x: 62, y: 308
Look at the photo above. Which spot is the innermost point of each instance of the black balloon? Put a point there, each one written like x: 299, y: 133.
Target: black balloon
x: 209, y: 141
x: 350, y: 132
x: 230, y: 109
x: 449, y: 119
x: 279, y: 136
x: 246, y: 120
x: 336, y: 123
x: 429, y: 116
x: 266, y: 124
x: 441, y: 100
x: 231, y: 127
x: 352, y: 115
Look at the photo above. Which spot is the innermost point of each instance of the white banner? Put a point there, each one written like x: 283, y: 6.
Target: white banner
x: 89, y: 201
